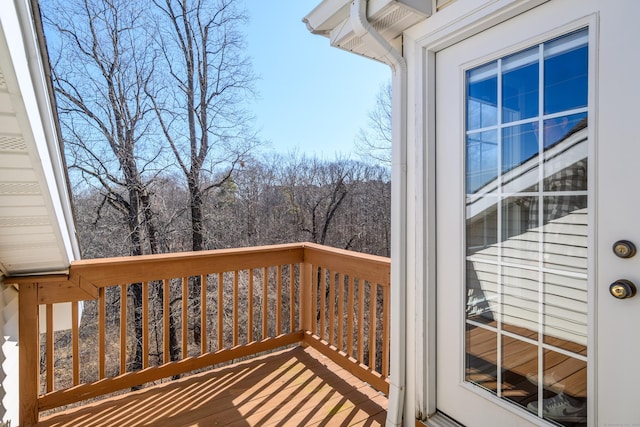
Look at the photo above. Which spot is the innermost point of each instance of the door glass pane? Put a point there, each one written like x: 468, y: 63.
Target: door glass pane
x: 520, y: 86
x: 482, y: 229
x: 482, y: 96
x: 565, y: 73
x: 519, y: 359
x: 564, y: 383
x: 520, y: 233
x: 519, y: 151
x: 482, y: 163
x: 481, y: 357
x: 527, y: 228
x: 482, y: 292
x: 520, y: 291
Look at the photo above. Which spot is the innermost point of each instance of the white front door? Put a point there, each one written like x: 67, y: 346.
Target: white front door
x: 537, y: 176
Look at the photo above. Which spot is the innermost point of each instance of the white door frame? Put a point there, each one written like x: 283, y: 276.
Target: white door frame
x: 460, y: 20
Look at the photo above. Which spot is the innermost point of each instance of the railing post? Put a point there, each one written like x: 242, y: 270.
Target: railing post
x: 305, y: 297
x: 29, y: 349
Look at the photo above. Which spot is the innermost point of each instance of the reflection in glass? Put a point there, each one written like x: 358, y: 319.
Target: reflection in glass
x: 519, y: 146
x: 519, y: 362
x: 482, y: 292
x: 519, y: 214
x: 520, y: 86
x: 565, y: 312
x: 565, y: 326
x: 482, y: 227
x: 564, y: 232
x: 527, y: 229
x: 519, y: 227
x: 560, y: 128
x: 482, y: 96
x: 481, y: 357
x: 520, y: 290
x: 564, y: 383
x: 565, y: 72
x: 565, y: 156
x: 482, y: 160
x: 565, y: 209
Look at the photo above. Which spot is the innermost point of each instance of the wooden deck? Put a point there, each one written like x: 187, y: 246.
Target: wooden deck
x: 293, y: 387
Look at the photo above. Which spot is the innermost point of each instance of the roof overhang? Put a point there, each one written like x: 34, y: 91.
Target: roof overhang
x: 390, y: 18
x: 37, y: 231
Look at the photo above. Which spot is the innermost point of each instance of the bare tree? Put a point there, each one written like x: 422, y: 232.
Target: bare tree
x: 314, y: 190
x: 374, y: 141
x: 200, y: 105
x: 102, y: 70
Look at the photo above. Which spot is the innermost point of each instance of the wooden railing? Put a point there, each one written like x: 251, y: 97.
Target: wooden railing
x: 151, y: 318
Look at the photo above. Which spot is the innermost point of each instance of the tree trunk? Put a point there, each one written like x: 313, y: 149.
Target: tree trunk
x: 197, y: 220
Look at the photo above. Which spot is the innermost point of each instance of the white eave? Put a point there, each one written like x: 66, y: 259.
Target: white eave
x: 37, y: 231
x: 389, y: 17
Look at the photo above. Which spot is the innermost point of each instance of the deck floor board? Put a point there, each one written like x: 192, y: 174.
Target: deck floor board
x: 294, y: 387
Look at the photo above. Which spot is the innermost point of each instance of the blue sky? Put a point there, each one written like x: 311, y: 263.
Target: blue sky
x: 312, y: 97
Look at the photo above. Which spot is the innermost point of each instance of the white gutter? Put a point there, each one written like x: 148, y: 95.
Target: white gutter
x: 394, y: 58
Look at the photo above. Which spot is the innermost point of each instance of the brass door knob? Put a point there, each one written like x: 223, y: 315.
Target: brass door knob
x: 622, y: 289
x: 624, y: 249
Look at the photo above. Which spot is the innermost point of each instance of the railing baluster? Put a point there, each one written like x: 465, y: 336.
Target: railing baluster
x: 278, y: 300
x: 360, y: 320
x: 306, y: 296
x: 203, y: 313
x: 265, y: 302
x: 323, y: 298
x: 385, y: 331
x: 350, y: 312
x: 123, y: 329
x: 332, y: 304
x: 373, y: 292
x: 220, y: 311
x: 235, y: 308
x: 314, y: 300
x: 341, y: 311
x: 250, y: 308
x: 49, y: 358
x: 166, y: 312
x: 145, y: 324
x: 185, y: 317
x: 101, y: 332
x: 75, y: 342
x: 292, y: 298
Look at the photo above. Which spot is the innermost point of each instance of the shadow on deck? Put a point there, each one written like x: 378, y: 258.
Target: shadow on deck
x: 293, y: 387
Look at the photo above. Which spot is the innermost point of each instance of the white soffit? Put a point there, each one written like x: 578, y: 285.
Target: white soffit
x: 389, y: 17
x: 37, y: 234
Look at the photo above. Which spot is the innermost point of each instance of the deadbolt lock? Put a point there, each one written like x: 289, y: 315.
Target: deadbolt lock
x: 624, y: 249
x: 622, y: 289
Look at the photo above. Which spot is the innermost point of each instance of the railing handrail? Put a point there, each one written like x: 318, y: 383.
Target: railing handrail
x: 86, y: 279
x: 131, y: 269
x: 370, y: 267
x: 145, y: 268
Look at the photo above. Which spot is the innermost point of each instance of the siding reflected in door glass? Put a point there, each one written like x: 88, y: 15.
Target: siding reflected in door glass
x: 527, y: 228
